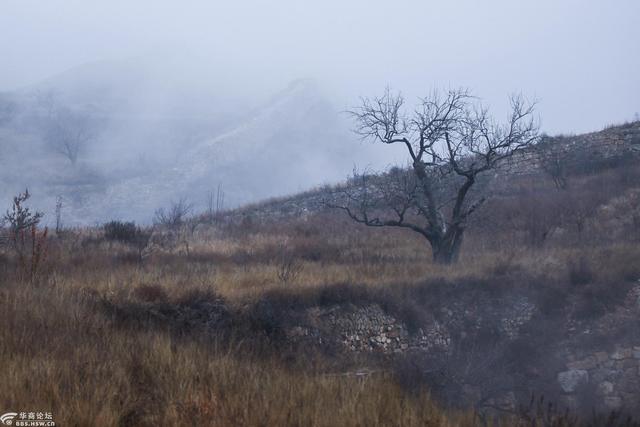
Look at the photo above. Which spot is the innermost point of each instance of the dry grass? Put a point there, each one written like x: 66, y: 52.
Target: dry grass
x: 60, y: 354
x: 60, y: 351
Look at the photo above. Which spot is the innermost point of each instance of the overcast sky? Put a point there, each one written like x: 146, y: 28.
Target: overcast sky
x: 580, y: 58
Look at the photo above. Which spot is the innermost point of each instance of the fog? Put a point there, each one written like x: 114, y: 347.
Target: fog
x: 184, y: 97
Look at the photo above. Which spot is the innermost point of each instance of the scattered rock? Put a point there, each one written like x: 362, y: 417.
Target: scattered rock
x: 516, y: 316
x: 601, y: 357
x: 621, y: 354
x: 605, y: 388
x: 571, y: 379
x: 586, y: 364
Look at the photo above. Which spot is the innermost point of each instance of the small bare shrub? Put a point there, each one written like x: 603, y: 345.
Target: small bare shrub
x: 127, y: 233
x: 20, y: 217
x: 555, y: 161
x: 175, y: 216
x: 28, y: 243
x: 32, y: 250
x: 288, y: 265
x: 534, y: 214
x: 120, y: 231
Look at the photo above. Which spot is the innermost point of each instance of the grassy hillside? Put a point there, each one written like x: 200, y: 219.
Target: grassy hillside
x: 258, y: 319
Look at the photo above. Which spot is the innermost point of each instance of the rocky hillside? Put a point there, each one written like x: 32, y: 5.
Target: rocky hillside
x: 570, y: 154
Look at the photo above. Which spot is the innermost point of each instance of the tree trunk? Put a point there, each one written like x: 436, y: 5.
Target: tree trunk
x: 446, y: 249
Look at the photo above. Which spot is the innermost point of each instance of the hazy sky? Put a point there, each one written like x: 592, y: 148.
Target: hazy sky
x: 580, y: 58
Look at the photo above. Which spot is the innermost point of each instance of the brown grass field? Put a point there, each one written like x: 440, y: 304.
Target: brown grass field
x: 62, y: 351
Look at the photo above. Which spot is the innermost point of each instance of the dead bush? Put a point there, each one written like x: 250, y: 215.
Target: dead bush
x: 120, y: 231
x: 288, y: 266
x: 150, y: 293
x: 129, y: 234
x: 175, y: 215
x: 27, y: 241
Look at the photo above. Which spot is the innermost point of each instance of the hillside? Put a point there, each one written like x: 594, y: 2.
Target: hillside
x: 287, y: 314
x: 319, y: 213
x: 537, y: 321
x: 155, y: 135
x: 576, y: 155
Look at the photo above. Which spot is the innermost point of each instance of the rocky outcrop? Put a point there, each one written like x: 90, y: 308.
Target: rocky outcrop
x: 368, y: 329
x: 610, y: 378
x: 616, y: 142
x: 619, y: 142
x: 570, y: 380
x: 466, y: 348
x: 615, y: 377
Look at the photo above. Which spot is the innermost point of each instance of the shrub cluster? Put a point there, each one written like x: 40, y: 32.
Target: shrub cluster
x: 128, y: 233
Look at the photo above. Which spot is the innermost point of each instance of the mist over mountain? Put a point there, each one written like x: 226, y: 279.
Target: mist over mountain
x: 148, y: 132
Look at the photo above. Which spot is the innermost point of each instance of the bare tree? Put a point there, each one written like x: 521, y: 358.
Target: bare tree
x: 65, y: 130
x: 68, y: 132
x: 451, y: 140
x: 175, y: 216
x: 47, y: 100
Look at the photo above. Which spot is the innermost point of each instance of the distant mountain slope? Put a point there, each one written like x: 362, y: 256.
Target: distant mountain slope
x: 145, y: 155
x: 295, y: 141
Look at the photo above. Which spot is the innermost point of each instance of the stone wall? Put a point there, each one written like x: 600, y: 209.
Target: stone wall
x: 614, y: 376
x: 613, y: 143
x: 367, y: 329
x: 576, y: 371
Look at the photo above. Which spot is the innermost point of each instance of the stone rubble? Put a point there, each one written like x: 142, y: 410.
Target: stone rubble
x: 615, y: 375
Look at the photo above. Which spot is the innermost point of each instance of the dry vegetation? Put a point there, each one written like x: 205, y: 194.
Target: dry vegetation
x: 92, y: 336
x: 61, y: 348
